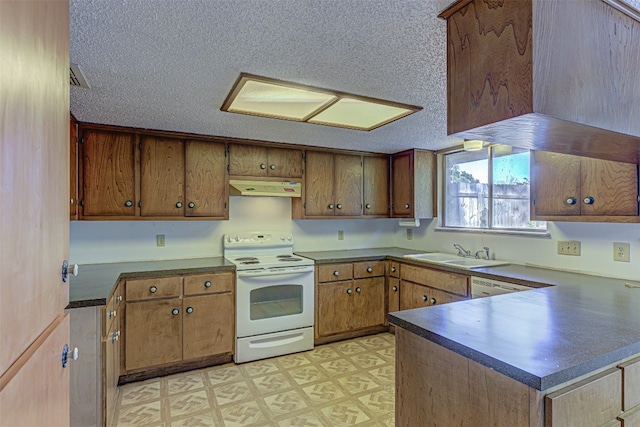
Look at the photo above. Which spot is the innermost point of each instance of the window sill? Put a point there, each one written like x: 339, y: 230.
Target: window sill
x: 538, y: 234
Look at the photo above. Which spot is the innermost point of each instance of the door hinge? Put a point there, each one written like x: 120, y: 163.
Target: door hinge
x: 140, y: 146
x: 304, y: 205
x: 82, y: 202
x: 80, y: 140
x: 139, y: 203
x: 534, y: 201
x: 638, y: 198
x: 225, y: 205
x: 227, y: 168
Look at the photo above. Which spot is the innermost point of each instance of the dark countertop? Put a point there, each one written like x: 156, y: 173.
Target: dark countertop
x: 542, y: 337
x: 355, y: 255
x: 95, y: 282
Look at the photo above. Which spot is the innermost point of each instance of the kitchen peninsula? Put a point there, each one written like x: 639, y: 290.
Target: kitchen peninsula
x: 545, y: 357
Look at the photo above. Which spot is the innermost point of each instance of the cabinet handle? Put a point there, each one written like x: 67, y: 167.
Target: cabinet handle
x: 349, y: 291
x: 263, y: 166
x: 393, y: 269
x: 425, y: 298
x: 128, y: 203
x: 336, y: 273
x: 589, y: 200
x: 571, y: 201
x: 179, y: 205
x: 153, y: 289
x: 272, y: 167
x: 339, y: 206
x: 407, y: 206
x: 395, y: 289
x: 358, y: 289
x: 330, y: 206
x: 433, y: 301
x: 189, y: 310
x: 207, y: 284
x: 369, y: 269
x: 175, y: 311
x: 191, y: 205
x: 367, y: 206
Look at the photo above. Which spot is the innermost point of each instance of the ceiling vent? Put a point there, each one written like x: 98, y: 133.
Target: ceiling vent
x: 77, y: 78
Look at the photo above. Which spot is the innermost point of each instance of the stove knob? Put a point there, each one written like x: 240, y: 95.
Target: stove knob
x: 237, y: 238
x: 289, y: 237
x: 282, y: 237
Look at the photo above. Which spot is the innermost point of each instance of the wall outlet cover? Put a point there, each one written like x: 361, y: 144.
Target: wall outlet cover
x: 621, y: 251
x: 340, y: 234
x: 160, y: 240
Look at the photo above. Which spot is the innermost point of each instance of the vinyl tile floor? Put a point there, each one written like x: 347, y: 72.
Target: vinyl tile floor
x: 347, y: 383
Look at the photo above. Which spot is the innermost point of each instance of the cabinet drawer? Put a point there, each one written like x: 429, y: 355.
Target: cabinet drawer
x: 159, y: 287
x: 594, y: 401
x: 630, y: 383
x: 335, y: 272
x: 363, y: 270
x: 449, y: 282
x: 208, y: 283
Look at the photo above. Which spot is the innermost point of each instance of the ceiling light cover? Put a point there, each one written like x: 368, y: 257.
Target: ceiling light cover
x: 472, y: 144
x: 261, y: 96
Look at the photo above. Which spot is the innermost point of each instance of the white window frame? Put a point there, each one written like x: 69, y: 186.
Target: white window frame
x: 442, y: 176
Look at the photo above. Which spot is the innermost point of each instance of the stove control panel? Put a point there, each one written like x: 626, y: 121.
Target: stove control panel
x: 271, y: 238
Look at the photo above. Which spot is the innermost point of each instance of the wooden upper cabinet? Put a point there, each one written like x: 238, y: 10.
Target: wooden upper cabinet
x: 413, y: 184
x: 347, y: 185
x: 507, y: 78
x: 261, y: 161
x: 570, y: 186
x: 376, y: 185
x: 207, y: 182
x: 319, y: 184
x: 162, y: 177
x: 73, y: 169
x: 108, y: 173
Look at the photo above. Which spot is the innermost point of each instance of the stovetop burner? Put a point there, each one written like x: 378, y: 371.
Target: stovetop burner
x: 250, y: 262
x: 285, y: 256
x: 289, y: 259
x: 247, y: 258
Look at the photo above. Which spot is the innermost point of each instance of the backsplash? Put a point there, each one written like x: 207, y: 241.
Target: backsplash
x: 117, y: 241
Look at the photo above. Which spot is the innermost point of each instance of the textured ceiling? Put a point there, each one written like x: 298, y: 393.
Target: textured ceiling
x: 169, y: 64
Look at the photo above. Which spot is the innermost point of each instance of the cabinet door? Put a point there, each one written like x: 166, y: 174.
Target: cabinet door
x: 556, y: 183
x: 612, y: 185
x: 394, y: 294
x: 208, y: 325
x: 153, y: 333
x: 376, y: 185
x: 285, y: 163
x: 402, y: 185
x: 248, y: 160
x: 334, y: 307
x: 413, y: 295
x: 348, y: 185
x: 111, y: 354
x: 73, y: 169
x: 108, y: 173
x: 319, y: 184
x: 207, y: 185
x: 162, y: 177
x: 368, y: 302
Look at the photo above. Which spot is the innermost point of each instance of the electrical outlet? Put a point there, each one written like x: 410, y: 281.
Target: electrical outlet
x: 621, y: 251
x: 409, y: 234
x: 569, y: 247
x: 159, y: 240
x: 340, y: 234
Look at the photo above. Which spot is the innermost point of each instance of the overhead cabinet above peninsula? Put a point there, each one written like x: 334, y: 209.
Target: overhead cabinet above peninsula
x: 551, y: 75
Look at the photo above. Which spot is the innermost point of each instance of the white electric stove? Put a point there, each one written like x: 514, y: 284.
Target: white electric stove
x: 274, y: 295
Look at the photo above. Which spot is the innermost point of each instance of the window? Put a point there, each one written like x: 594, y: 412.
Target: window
x: 488, y: 189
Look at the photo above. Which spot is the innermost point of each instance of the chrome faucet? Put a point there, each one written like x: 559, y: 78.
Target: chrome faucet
x: 461, y: 251
x: 484, y: 251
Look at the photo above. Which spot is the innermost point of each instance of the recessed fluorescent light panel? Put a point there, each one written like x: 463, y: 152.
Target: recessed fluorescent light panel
x: 261, y: 96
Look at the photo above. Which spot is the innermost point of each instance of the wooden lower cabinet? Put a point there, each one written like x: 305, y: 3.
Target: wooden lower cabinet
x: 205, y: 326
x: 393, y: 290
x: 153, y: 334
x: 349, y: 297
x: 176, y: 320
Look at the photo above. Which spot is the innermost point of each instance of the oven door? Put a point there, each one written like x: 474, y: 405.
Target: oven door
x: 274, y: 300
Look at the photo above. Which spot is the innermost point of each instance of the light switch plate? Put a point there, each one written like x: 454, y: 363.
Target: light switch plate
x: 621, y: 251
x: 569, y: 247
x: 159, y: 240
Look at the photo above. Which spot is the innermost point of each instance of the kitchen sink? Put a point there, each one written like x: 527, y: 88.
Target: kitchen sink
x: 452, y: 259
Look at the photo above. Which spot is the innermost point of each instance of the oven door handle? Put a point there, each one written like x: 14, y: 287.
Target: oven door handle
x: 268, y: 273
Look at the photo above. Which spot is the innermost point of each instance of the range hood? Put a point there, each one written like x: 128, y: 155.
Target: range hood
x: 265, y: 188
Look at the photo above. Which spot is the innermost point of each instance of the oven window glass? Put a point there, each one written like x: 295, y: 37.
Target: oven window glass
x: 275, y: 301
